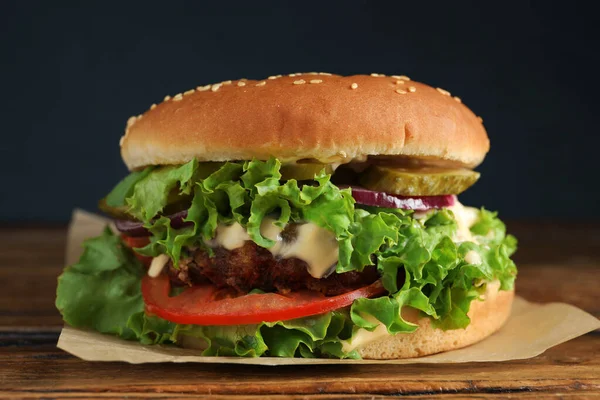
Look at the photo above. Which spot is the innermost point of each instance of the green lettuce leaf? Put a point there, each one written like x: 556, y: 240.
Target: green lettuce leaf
x: 151, y: 193
x: 102, y: 290
x: 420, y: 264
x: 243, y: 193
x: 150, y: 329
x: 318, y: 336
x: 124, y: 189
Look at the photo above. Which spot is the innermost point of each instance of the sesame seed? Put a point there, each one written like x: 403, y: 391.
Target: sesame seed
x: 316, y: 80
x: 354, y: 86
x: 131, y: 121
x: 226, y: 82
x: 153, y: 106
x: 342, y: 154
x: 241, y: 83
x: 279, y: 76
x: 203, y: 88
x: 456, y: 98
x: 402, y: 77
x: 272, y: 77
x: 400, y: 82
x: 167, y: 98
x: 263, y: 83
x: 292, y: 75
x: 374, y: 74
x: 412, y: 89
x: 400, y: 91
x: 121, y: 140
x: 139, y: 117
x: 188, y: 92
x: 299, y: 82
x: 215, y: 87
x: 442, y: 91
x: 480, y: 119
x: 325, y: 73
x: 177, y: 97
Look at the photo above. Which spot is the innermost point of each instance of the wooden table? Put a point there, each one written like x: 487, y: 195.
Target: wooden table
x: 558, y: 262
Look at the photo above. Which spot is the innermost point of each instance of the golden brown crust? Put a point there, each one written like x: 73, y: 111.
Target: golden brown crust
x: 486, y: 318
x: 291, y: 118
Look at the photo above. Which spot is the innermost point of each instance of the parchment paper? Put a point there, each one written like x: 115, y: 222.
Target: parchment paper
x: 531, y: 329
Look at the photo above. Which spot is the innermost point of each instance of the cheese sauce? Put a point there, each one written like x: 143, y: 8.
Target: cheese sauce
x: 314, y: 245
x: 473, y: 257
x: 465, y: 219
x: 230, y: 236
x: 157, y: 264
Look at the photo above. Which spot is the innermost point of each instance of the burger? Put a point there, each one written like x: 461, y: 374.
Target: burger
x: 307, y: 215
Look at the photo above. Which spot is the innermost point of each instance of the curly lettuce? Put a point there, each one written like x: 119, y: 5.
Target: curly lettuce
x: 420, y: 264
x: 102, y: 292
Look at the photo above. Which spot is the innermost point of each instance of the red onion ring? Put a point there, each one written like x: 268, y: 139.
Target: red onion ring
x: 418, y: 203
x: 136, y: 228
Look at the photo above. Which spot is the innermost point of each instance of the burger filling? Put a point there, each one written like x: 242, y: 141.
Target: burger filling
x: 253, y: 267
x: 258, y: 259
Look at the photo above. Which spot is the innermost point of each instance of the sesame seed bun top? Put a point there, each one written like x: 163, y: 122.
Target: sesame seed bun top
x: 319, y: 116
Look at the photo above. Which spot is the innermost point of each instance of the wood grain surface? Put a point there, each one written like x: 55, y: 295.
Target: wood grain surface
x: 557, y: 262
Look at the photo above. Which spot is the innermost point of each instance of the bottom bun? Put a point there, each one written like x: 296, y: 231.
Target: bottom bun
x: 487, y: 316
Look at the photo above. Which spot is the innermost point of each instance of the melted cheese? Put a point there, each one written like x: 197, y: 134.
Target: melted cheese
x: 157, y: 265
x: 314, y: 245
x: 465, y: 219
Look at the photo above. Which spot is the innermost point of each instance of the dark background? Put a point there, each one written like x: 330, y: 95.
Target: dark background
x: 71, y: 75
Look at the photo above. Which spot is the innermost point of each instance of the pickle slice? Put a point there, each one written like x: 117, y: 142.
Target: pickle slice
x: 115, y: 212
x: 302, y: 172
x: 418, y: 182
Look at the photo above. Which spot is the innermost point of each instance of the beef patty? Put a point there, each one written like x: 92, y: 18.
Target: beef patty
x: 254, y: 267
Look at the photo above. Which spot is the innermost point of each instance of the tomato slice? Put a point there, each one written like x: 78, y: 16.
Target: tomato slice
x: 203, y: 305
x: 133, y: 242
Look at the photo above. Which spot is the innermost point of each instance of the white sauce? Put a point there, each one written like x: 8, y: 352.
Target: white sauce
x: 473, y: 257
x: 230, y: 236
x: 157, y: 265
x: 465, y: 219
x: 314, y: 245
x: 420, y: 214
x: 362, y: 336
